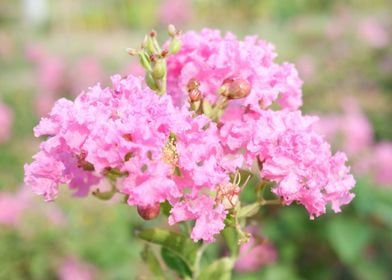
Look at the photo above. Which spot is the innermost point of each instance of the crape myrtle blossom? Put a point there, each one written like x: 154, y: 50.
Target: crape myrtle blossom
x: 130, y: 130
x: 211, y: 59
x: 208, y: 116
x: 292, y: 155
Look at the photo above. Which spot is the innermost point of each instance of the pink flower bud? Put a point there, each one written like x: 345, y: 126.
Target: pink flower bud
x: 195, y: 95
x: 149, y: 212
x: 235, y: 88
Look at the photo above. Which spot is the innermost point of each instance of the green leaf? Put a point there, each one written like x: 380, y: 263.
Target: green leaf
x: 178, y: 243
x: 348, y: 237
x: 175, y: 262
x: 218, y: 270
x: 152, y: 261
x: 248, y: 210
x: 231, y: 237
x: 165, y: 208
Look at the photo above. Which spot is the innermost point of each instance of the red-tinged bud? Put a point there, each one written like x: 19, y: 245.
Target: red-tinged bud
x: 128, y: 136
x: 235, y: 88
x: 195, y: 95
x: 164, y: 53
x: 149, y: 212
x: 153, y: 33
x: 192, y: 84
x: 153, y: 58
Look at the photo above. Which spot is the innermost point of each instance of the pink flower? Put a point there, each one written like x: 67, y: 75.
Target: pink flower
x: 73, y: 269
x: 130, y: 130
x: 85, y: 73
x: 13, y: 205
x: 352, y: 129
x: 177, y: 12
x: 383, y: 163
x: 209, y: 218
x: 210, y: 59
x: 296, y: 158
x: 50, y: 76
x: 256, y: 253
x: 373, y: 33
x: 6, y: 118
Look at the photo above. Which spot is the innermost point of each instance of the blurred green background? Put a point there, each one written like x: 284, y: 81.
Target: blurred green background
x: 342, y: 49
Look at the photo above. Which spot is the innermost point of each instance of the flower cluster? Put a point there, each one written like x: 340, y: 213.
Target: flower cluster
x: 185, y: 147
x: 129, y: 134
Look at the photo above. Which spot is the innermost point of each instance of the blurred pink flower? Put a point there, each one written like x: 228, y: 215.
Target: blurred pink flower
x: 306, y: 66
x: 372, y: 32
x: 6, y: 118
x: 85, y: 73
x: 383, y: 163
x: 256, y: 253
x: 175, y: 12
x: 134, y: 68
x: 357, y: 129
x: 73, y: 269
x: 350, y: 131
x: 12, y: 206
x: 50, y: 77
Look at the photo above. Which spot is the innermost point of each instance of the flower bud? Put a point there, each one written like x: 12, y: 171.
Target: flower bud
x: 235, y: 88
x: 195, y: 95
x: 192, y: 84
x: 175, y: 45
x: 150, y: 81
x: 159, y: 69
x: 172, y: 30
x: 148, y: 44
x: 144, y: 61
x: 149, y: 212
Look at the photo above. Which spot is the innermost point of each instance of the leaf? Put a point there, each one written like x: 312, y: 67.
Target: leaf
x: 152, y: 261
x: 178, y: 243
x: 218, y: 270
x: 248, y: 210
x: 165, y: 208
x: 175, y: 262
x: 348, y: 237
x: 231, y: 237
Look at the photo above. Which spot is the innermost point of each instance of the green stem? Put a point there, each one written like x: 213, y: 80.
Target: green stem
x: 196, y: 266
x: 277, y: 201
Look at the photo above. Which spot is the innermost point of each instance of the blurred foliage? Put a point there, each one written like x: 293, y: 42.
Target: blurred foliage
x: 321, y: 37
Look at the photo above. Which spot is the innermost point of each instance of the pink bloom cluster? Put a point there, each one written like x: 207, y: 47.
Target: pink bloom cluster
x: 293, y: 156
x: 211, y: 59
x: 130, y: 130
x: 157, y: 150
